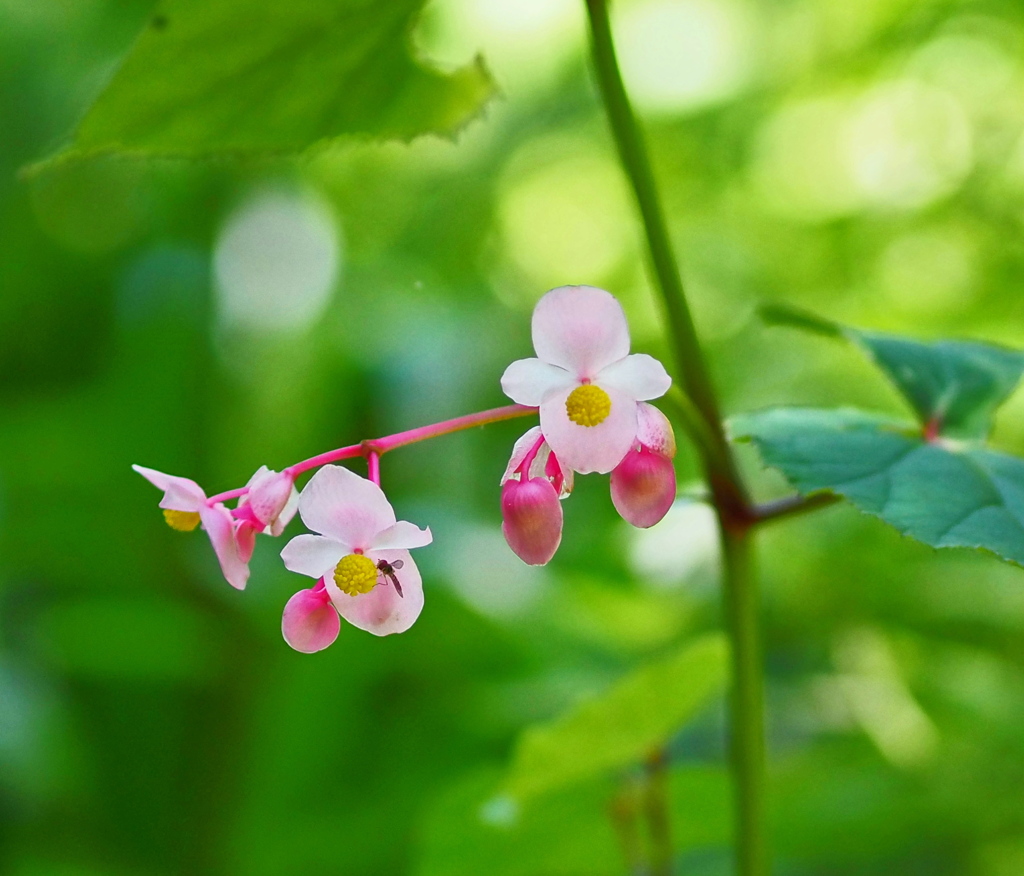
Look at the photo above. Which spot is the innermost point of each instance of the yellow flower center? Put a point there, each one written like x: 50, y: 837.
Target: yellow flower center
x: 588, y: 405
x: 355, y: 574
x: 183, y: 521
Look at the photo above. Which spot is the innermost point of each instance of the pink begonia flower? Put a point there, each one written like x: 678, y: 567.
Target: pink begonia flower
x: 643, y: 484
x: 361, y: 558
x: 531, y: 487
x: 185, y: 507
x: 584, y: 379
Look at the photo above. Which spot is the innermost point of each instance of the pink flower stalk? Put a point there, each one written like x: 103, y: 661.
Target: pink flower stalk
x: 530, y: 509
x: 584, y: 379
x: 186, y: 506
x: 643, y: 484
x: 360, y: 559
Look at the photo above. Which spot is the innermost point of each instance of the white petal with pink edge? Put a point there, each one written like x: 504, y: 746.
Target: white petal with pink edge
x: 580, y: 328
x: 530, y: 381
x: 640, y: 376
x: 310, y: 622
x: 220, y: 526
x: 313, y: 555
x: 344, y: 506
x: 382, y: 611
x: 590, y: 448
x: 401, y: 535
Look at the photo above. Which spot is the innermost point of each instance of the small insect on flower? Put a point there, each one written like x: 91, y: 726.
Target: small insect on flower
x: 388, y: 571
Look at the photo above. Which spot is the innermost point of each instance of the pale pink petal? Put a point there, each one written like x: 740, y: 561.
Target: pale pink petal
x: 401, y: 535
x: 531, y: 519
x: 220, y: 526
x: 639, y: 376
x: 310, y: 622
x: 530, y: 381
x: 180, y: 494
x: 269, y: 493
x: 313, y: 555
x: 590, y: 448
x: 382, y: 611
x: 287, y: 513
x: 654, y: 430
x: 245, y: 538
x: 344, y: 506
x: 581, y: 329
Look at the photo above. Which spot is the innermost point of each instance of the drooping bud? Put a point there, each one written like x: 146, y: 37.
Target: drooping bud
x: 644, y: 483
x: 531, y: 519
x: 310, y: 623
x: 271, y: 502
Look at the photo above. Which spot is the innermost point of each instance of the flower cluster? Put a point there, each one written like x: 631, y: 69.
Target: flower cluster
x: 592, y: 398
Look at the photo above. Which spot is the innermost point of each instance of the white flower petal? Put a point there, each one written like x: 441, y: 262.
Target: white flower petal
x: 640, y: 376
x: 401, y: 535
x: 313, y: 555
x: 530, y: 381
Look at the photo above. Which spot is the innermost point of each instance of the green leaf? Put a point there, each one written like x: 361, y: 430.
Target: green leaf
x: 954, y: 387
x: 621, y: 727
x: 568, y: 832
x: 246, y: 77
x: 943, y: 493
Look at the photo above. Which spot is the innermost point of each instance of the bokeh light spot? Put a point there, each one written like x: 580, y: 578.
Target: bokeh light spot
x: 276, y: 262
x: 679, y: 55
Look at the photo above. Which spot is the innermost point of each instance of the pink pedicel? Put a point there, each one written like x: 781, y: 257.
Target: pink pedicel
x: 187, y: 497
x: 584, y: 380
x: 357, y: 531
x: 643, y: 484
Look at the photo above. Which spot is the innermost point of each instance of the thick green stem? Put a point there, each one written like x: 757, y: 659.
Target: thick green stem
x: 703, y: 420
x: 722, y: 476
x: 746, y: 742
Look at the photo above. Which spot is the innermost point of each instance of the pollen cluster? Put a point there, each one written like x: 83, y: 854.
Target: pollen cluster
x: 588, y: 405
x: 355, y: 574
x: 183, y: 521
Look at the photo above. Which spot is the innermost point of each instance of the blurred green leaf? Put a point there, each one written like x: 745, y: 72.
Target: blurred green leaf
x: 148, y: 638
x: 242, y: 77
x: 569, y: 831
x: 954, y: 387
x: 944, y: 493
x: 620, y: 727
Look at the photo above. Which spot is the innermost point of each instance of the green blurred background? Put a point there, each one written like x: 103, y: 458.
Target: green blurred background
x: 863, y: 159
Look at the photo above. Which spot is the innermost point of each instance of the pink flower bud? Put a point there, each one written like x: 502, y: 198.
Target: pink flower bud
x: 643, y: 487
x: 271, y: 501
x: 644, y: 482
x: 531, y: 519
